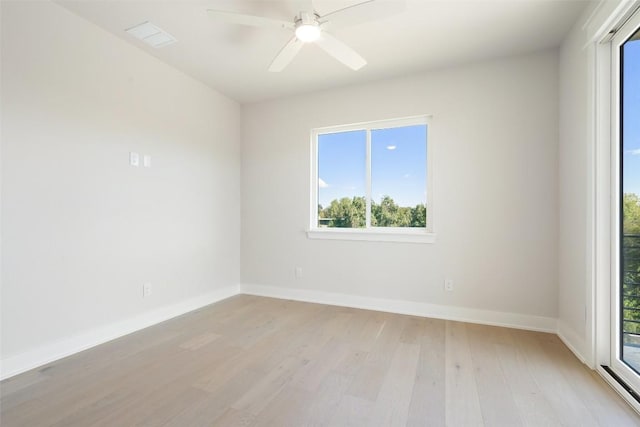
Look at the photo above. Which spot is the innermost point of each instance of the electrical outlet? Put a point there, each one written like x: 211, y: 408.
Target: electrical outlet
x: 146, y: 289
x: 448, y: 285
x: 298, y: 272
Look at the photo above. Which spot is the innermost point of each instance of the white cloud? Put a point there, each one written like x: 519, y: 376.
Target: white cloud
x: 635, y: 152
x: 391, y: 147
x: 322, y: 184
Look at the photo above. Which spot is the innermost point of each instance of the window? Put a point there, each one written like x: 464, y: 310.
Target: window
x: 624, y: 357
x: 372, y: 181
x: 629, y: 304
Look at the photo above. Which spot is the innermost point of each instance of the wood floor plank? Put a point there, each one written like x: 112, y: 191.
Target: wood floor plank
x: 261, y: 393
x: 351, y: 363
x: 234, y: 417
x: 321, y: 405
x: 199, y: 341
x: 596, y: 399
x: 428, y: 400
x: 567, y: 406
x: 285, y: 409
x: 254, y: 361
x: 352, y: 411
x: 310, y: 376
x: 462, y: 400
x: 206, y: 410
x: 394, y: 398
x: 498, y: 406
x: 385, y: 342
x: 533, y: 405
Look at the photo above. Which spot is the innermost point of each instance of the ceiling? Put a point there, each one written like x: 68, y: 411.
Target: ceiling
x: 428, y: 34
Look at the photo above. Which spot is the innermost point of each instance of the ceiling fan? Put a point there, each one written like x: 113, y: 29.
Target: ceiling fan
x: 310, y: 27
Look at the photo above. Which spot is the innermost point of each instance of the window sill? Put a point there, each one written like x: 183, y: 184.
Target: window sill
x: 373, y: 235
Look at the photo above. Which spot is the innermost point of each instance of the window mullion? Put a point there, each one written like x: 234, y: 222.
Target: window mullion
x: 368, y: 184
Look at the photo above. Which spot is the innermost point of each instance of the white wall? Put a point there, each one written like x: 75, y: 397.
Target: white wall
x: 574, y: 186
x: 81, y: 229
x: 495, y: 130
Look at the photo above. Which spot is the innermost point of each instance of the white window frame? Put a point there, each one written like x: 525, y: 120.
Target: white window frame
x: 619, y: 367
x: 386, y: 234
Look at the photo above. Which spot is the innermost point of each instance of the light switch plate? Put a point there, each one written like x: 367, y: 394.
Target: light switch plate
x: 147, y: 290
x: 134, y: 159
x: 146, y: 161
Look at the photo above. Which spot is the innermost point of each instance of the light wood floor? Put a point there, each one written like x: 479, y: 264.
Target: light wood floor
x: 259, y: 361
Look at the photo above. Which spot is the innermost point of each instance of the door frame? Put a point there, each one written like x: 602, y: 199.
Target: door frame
x: 604, y: 187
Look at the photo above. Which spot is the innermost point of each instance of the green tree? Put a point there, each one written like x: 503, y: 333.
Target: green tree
x: 631, y: 212
x: 419, y: 216
x: 345, y: 213
x: 631, y: 263
x: 351, y: 213
x: 386, y: 212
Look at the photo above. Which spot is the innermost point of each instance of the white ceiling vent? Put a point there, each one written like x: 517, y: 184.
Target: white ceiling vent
x: 151, y: 35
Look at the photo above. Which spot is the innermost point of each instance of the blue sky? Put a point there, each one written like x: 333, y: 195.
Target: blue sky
x: 631, y: 118
x: 398, y: 165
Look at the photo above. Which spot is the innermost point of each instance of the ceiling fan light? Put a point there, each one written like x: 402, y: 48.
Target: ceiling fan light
x: 308, y: 32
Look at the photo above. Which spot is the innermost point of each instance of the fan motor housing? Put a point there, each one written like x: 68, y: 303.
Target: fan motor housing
x: 307, y: 27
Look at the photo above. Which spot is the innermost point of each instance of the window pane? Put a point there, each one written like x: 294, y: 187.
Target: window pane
x: 342, y: 179
x: 630, y: 239
x: 399, y: 177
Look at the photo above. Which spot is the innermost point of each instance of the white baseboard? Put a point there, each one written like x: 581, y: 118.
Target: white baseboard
x: 573, y: 341
x: 48, y: 353
x: 462, y: 314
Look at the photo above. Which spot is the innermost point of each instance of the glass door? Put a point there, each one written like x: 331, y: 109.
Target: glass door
x: 626, y: 298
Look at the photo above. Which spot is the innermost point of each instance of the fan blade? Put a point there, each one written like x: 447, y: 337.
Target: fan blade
x: 286, y: 55
x: 360, y: 13
x: 340, y: 51
x: 250, y: 20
